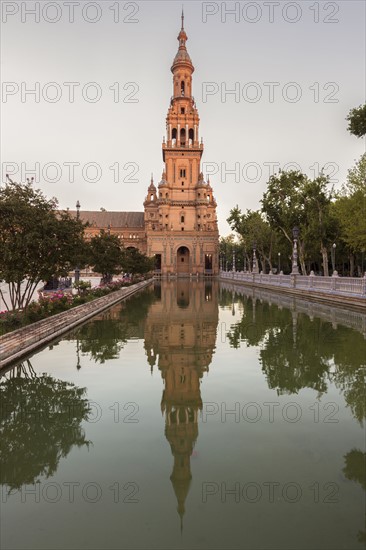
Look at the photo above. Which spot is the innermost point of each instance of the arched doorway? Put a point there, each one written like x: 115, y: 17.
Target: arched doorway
x: 182, y: 260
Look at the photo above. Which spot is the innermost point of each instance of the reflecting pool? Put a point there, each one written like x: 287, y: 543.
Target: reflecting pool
x: 190, y: 416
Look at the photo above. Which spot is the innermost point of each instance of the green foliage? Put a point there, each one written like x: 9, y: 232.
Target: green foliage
x: 350, y: 208
x: 40, y: 422
x: 297, y: 352
x: 106, y: 255
x: 103, y: 337
x: 136, y: 263
x: 36, y: 241
x: 294, y: 200
x: 357, y: 121
x: 254, y: 229
x: 82, y: 287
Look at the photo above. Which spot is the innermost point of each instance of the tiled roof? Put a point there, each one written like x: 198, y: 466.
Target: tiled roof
x: 114, y: 219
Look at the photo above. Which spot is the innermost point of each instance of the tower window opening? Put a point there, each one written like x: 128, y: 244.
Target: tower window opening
x: 151, y: 197
x: 182, y: 110
x: 182, y: 182
x: 182, y: 87
x: 183, y: 173
x: 182, y: 219
x: 182, y: 137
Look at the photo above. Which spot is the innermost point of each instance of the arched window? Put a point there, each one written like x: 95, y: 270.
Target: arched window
x: 151, y: 197
x: 191, y: 136
x: 182, y: 219
x: 182, y: 87
x: 174, y: 136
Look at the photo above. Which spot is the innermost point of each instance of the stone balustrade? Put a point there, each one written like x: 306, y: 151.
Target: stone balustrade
x: 352, y: 290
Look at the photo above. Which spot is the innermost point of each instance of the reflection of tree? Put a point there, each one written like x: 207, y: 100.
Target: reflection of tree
x: 105, y: 336
x: 102, y: 338
x: 350, y: 374
x: 355, y: 470
x: 39, y: 424
x: 298, y: 352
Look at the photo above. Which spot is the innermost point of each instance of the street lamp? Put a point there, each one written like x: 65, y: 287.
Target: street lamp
x: 234, y: 260
x: 255, y: 263
x: 77, y: 270
x: 333, y: 256
x: 279, y: 262
x: 295, y: 268
x: 245, y: 261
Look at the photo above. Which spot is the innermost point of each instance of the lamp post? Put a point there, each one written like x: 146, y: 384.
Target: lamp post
x: 245, y: 261
x: 255, y: 262
x: 279, y: 262
x: 234, y: 260
x: 295, y: 268
x: 77, y: 270
x: 334, y: 246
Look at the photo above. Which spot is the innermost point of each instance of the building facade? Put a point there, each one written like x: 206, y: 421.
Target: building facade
x: 179, y: 223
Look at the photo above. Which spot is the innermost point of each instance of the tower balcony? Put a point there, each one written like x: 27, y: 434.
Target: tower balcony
x: 172, y: 144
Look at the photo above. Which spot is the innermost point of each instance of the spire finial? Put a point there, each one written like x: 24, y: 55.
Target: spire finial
x: 182, y: 18
x: 152, y: 177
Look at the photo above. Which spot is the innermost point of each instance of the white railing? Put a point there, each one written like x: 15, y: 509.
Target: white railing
x: 348, y: 286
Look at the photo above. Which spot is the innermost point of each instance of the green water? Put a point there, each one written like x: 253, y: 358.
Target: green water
x: 191, y: 416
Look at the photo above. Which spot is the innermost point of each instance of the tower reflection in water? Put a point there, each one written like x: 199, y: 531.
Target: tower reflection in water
x: 180, y: 338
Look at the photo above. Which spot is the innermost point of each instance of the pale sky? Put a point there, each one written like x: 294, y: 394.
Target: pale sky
x: 297, y: 68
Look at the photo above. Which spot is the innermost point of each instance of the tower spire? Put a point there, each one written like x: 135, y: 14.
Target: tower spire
x: 182, y: 18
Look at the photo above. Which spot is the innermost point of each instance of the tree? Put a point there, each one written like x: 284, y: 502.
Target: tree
x: 283, y: 206
x: 136, y: 263
x: 253, y: 228
x: 105, y: 255
x: 357, y: 121
x: 227, y: 248
x: 320, y: 225
x: 37, y: 242
x: 350, y: 210
x: 292, y: 199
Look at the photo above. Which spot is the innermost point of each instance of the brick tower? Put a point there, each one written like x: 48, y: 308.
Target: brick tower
x: 180, y: 215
